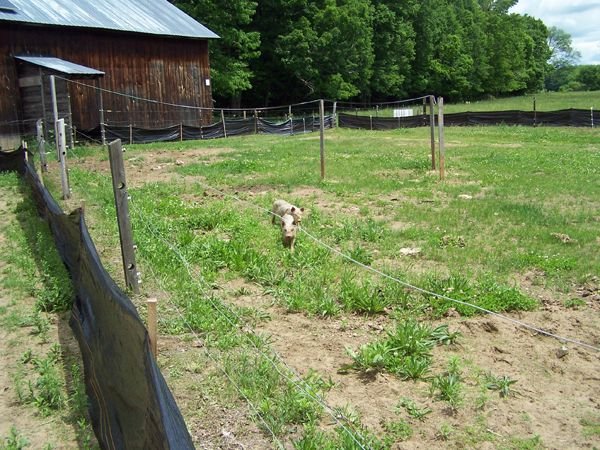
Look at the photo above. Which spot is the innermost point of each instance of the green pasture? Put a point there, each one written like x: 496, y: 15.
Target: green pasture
x: 516, y: 204
x: 544, y: 101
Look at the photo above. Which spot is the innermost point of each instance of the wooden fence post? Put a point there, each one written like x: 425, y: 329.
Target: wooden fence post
x: 39, y: 125
x: 322, y: 123
x: 152, y: 325
x: 223, y: 120
x: 101, y: 113
x: 432, y: 127
x: 334, y: 114
x: 54, y: 113
x: 117, y: 169
x: 441, y: 133
x: 62, y: 158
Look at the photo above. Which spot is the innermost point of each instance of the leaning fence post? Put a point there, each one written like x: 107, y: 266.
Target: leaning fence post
x: 334, y: 114
x: 441, y: 132
x: 322, y: 124
x: 62, y: 159
x: 41, y: 145
x: 151, y: 325
x: 592, y: 115
x: 223, y: 120
x: 117, y: 169
x: 101, y: 113
x: 54, y: 112
x: 432, y: 128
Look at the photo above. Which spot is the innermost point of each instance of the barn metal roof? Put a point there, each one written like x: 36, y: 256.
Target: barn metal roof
x: 60, y: 65
x: 157, y: 17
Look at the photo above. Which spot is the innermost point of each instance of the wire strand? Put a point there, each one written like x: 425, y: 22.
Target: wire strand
x: 199, y: 108
x: 198, y: 338
x: 411, y: 286
x: 298, y: 382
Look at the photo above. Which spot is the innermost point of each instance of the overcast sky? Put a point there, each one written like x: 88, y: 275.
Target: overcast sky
x: 579, y: 18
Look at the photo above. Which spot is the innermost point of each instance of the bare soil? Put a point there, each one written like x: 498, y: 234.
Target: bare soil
x: 14, y: 342
x: 557, y: 384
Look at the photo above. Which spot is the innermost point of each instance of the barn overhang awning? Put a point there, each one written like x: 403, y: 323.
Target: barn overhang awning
x: 66, y: 68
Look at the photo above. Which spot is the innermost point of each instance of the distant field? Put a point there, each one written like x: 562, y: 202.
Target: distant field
x: 545, y: 101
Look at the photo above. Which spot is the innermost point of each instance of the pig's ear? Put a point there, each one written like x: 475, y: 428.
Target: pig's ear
x: 301, y: 209
x: 293, y: 209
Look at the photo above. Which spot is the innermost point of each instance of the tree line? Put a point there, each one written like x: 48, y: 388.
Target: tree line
x: 283, y: 51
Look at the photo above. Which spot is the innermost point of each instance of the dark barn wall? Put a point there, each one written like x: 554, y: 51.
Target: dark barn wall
x: 171, y: 70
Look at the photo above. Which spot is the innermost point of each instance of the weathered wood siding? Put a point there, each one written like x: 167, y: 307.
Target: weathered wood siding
x: 171, y: 70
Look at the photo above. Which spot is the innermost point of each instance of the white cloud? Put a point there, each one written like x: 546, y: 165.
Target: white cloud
x: 579, y: 18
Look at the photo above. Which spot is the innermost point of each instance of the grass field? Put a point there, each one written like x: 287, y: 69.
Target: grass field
x: 513, y: 228
x: 544, y: 101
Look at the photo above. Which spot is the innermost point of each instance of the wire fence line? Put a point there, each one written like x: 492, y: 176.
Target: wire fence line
x: 213, y: 358
x: 275, y: 360
x: 341, y: 254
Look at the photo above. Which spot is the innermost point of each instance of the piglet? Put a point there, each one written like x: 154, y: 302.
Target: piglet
x: 281, y: 207
x: 288, y: 231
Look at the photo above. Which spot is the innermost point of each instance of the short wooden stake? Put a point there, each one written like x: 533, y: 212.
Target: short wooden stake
x: 117, y: 168
x: 181, y: 132
x: 322, y: 126
x: 441, y: 135
x: 152, y: 326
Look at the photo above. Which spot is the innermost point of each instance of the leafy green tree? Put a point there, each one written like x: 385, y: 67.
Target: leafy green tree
x: 589, y: 77
x: 329, y: 50
x: 561, y: 46
x: 230, y: 55
x: 562, y: 59
x: 394, y: 42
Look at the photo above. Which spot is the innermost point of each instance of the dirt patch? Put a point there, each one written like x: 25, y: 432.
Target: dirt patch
x: 155, y: 166
x: 15, y: 341
x: 554, y: 387
x: 188, y: 371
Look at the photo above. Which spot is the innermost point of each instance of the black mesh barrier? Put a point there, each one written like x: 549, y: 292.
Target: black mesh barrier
x: 381, y: 123
x: 12, y: 161
x: 130, y: 404
x: 562, y: 118
x: 233, y: 127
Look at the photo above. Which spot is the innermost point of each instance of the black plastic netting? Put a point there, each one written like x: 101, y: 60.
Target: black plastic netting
x: 231, y: 127
x: 562, y: 118
x: 130, y: 404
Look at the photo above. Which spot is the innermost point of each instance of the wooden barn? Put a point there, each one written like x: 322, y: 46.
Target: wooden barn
x: 108, y: 59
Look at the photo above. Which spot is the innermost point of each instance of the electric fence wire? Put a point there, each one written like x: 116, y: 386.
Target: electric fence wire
x: 195, y: 334
x: 408, y: 285
x: 200, y: 108
x: 297, y: 382
x: 397, y: 102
